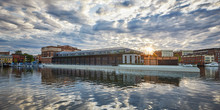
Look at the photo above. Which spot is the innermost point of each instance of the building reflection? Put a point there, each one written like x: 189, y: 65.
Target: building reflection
x: 210, y: 72
x: 109, y: 78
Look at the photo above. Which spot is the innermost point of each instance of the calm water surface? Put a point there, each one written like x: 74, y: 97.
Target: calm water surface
x: 83, y: 89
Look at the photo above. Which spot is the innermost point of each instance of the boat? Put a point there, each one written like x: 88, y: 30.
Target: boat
x: 189, y: 65
x: 213, y: 64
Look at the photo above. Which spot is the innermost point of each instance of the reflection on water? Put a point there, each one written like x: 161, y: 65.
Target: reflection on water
x: 210, y: 72
x: 85, y: 89
x: 108, y: 78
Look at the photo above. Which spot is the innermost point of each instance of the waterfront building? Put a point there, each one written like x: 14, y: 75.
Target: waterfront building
x: 183, y: 52
x: 5, y: 59
x: 18, y: 58
x: 211, y: 51
x: 4, y: 53
x: 155, y: 60
x: 48, y: 52
x: 180, y: 53
x: 107, y: 56
x: 164, y: 53
x: 197, y: 59
x: 37, y: 58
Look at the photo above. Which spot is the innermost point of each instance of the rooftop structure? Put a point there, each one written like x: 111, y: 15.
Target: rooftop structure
x: 164, y: 53
x: 105, y: 51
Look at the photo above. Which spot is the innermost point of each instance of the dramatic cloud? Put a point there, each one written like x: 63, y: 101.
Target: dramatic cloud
x: 164, y: 24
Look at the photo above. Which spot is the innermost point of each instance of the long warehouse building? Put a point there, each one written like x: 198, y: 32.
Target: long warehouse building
x: 107, y: 56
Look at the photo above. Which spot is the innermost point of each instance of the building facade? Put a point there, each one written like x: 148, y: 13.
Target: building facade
x: 180, y: 53
x: 4, y: 53
x: 164, y: 53
x: 211, y: 51
x: 183, y: 52
x: 108, y: 56
x: 17, y: 58
x: 5, y: 59
x: 197, y: 59
x: 37, y: 58
x: 154, y: 60
x: 48, y: 52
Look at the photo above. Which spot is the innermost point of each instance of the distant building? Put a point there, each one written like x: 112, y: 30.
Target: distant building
x: 37, y: 58
x: 164, y: 53
x: 180, y: 53
x: 5, y: 59
x: 48, y: 52
x: 154, y: 60
x: 197, y: 59
x: 211, y: 51
x: 107, y: 56
x: 183, y: 52
x: 18, y: 58
x: 4, y: 53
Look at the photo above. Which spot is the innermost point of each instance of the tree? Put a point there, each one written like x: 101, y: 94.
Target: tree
x: 15, y: 60
x: 18, y: 52
x: 29, y: 58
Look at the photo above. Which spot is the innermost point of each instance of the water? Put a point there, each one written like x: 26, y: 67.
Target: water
x: 83, y: 89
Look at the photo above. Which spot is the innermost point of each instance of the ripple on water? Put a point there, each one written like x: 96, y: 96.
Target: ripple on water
x: 60, y: 90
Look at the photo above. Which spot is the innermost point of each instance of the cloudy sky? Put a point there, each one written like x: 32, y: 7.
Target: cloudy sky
x: 28, y: 25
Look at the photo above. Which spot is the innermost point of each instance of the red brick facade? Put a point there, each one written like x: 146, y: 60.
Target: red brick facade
x: 196, y: 59
x: 152, y: 60
x: 4, y: 53
x: 48, y: 52
x: 211, y: 51
x: 18, y: 58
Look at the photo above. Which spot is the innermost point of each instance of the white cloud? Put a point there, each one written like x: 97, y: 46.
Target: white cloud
x: 136, y: 23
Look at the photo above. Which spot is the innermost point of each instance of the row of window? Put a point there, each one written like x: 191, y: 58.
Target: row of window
x: 95, y: 53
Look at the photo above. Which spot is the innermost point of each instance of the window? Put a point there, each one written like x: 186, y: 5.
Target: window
x: 125, y: 59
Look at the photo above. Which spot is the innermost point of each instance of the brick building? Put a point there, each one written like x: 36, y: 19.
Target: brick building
x: 210, y: 51
x: 4, y: 53
x: 154, y: 60
x: 197, y: 59
x: 164, y: 53
x: 180, y: 53
x: 107, y: 56
x: 17, y: 58
x: 48, y: 52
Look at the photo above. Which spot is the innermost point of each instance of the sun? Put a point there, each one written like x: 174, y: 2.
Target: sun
x: 149, y: 50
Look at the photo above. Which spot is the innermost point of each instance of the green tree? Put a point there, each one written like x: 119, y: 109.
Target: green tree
x: 29, y: 58
x: 15, y: 60
x: 18, y: 52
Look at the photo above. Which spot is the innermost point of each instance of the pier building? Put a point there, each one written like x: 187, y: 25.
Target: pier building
x: 107, y: 56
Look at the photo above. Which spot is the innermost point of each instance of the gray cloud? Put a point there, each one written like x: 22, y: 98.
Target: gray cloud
x: 127, y: 3
x: 100, y: 11
x: 31, y: 24
x: 71, y: 16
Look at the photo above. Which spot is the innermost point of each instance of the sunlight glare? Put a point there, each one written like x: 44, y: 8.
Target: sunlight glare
x: 149, y: 50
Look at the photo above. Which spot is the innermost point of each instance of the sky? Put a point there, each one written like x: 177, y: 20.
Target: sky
x: 28, y: 25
